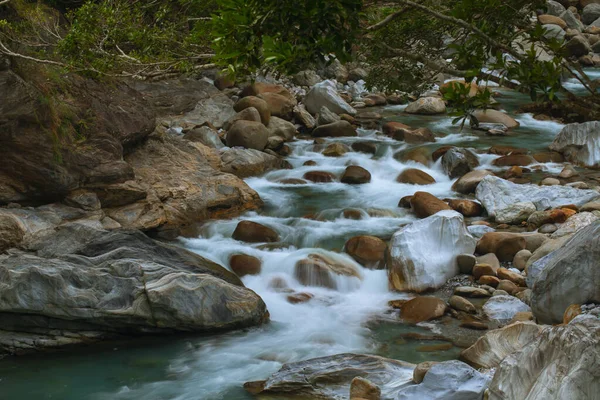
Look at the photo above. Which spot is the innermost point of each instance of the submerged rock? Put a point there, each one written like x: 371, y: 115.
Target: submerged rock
x: 423, y: 254
x: 560, y: 363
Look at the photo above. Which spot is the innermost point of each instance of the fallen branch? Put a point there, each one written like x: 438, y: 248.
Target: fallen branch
x: 386, y: 21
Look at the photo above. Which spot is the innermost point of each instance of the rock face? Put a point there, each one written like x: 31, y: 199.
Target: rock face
x: 580, y: 143
x: 427, y: 106
x: 414, y: 266
x: 497, y: 194
x: 330, y: 377
x: 569, y: 275
x: 560, y: 363
x: 449, y: 380
x: 494, y: 346
x: 130, y: 285
x: 325, y: 94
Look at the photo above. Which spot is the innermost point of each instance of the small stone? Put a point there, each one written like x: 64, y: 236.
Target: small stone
x: 550, y: 182
x: 466, y: 262
x: 518, y: 279
x: 489, y: 280
x: 480, y: 270
x: 507, y: 286
x: 521, y: 258
x: 568, y: 172
x: 468, y: 291
x: 571, y: 312
x: 462, y: 304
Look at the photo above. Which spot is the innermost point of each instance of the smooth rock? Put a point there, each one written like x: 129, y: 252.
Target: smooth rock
x: 415, y: 176
x: 322, y: 270
x: 425, y: 204
x: 336, y: 129
x: 427, y: 106
x: 580, y: 143
x: 355, y: 175
x: 466, y: 262
x: 521, y: 258
x: 252, y: 232
x: 461, y: 304
x: 369, y: 251
x: 458, y: 162
x: 325, y: 94
x: 504, y: 308
x: 422, y: 308
x: 515, y: 213
x: 248, y: 134
x: 468, y: 183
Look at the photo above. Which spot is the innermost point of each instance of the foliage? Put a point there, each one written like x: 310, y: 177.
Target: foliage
x: 464, y: 102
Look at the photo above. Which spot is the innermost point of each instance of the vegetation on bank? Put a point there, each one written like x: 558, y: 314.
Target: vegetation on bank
x: 405, y: 43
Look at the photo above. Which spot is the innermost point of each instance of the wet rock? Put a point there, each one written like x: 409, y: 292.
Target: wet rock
x: 248, y: 134
x: 413, y: 266
x: 336, y: 129
x: 319, y: 176
x: 369, y: 251
x: 496, y: 117
x: 462, y: 304
x: 448, y: 380
x: 549, y: 156
x: 468, y: 183
x: 130, y: 285
x: 467, y: 208
x: 494, y: 346
x: 421, y: 370
x: 504, y: 308
x: 514, y: 160
x: 336, y: 150
x: 466, y: 262
x: 427, y: 106
x: 364, y: 147
x: 421, y: 135
x: 540, y: 218
x: 566, y: 276
x: 415, y: 176
x: 320, y: 270
x: 243, y: 264
x: 325, y: 94
x: 298, y: 298
x: 395, y: 129
x: 489, y: 280
x: 355, y: 175
x: 458, y: 162
x: 361, y: 388
x: 503, y: 244
x: 252, y: 232
x: 580, y: 143
x: 555, y: 365
x: 330, y: 377
x: 422, y: 308
x: 515, y: 213
x: 425, y: 204
x: 496, y: 194
x: 419, y: 154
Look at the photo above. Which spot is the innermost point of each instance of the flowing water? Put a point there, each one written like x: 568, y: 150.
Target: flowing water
x: 334, y: 321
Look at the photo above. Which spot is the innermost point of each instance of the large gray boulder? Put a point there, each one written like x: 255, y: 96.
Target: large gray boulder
x: 580, y: 143
x: 330, y: 377
x: 497, y: 194
x: 590, y: 13
x: 560, y: 363
x: 79, y: 282
x: 449, y: 380
x: 413, y: 266
x: 569, y: 275
x: 325, y: 94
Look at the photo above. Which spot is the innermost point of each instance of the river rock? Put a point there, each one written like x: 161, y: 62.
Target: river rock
x: 131, y: 284
x: 461, y: 304
x: 415, y: 136
x: 355, y: 175
x: 361, y: 388
x: 336, y: 150
x: 415, y: 176
x: 574, y: 224
x: 521, y: 258
x: 425, y: 204
x: 458, y: 162
x: 580, y: 143
x: 503, y: 244
x: 490, y: 349
x: 280, y: 105
x: 321, y: 270
x: 336, y: 129
x: 422, y: 308
x: 304, y: 117
x: 395, y: 129
x: 306, y: 78
x: 497, y: 194
x: 254, y: 102
x: 413, y: 266
x: 253, y: 232
x: 244, y: 163
x: 319, y: 176
x: 552, y: 19
x: 369, y: 251
x: 468, y: 183
x: 326, y: 117
x: 330, y: 377
x: 496, y: 117
x: 243, y: 264
x: 516, y: 278
x: 282, y: 128
x: 325, y: 94
x: 448, y: 380
x: 364, y: 147
x: 467, y: 208
x: 206, y: 136
x: 513, y: 160
x: 569, y: 275
x: 556, y: 364
x: 427, y: 106
x: 248, y: 134
x: 590, y: 13
x: 466, y: 262
x: 515, y: 213
x: 503, y: 308
x: 247, y: 114
x: 555, y: 8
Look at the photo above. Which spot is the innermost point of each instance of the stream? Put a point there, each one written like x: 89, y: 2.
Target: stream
x: 334, y: 321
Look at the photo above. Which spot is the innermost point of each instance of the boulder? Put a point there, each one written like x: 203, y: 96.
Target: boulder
x: 369, y: 251
x: 421, y: 135
x: 421, y: 309
x: 466, y: 262
x: 259, y: 104
x: 496, y: 117
x: 590, y: 13
x: 552, y: 31
x: 421, y: 370
x: 515, y: 213
x: 248, y: 134
x: 303, y: 117
x: 468, y: 183
x: 330, y: 377
x: 448, y: 380
x: 365, y: 147
x: 319, y: 176
x: 578, y: 46
x: 568, y: 275
x: 336, y: 129
x: 215, y: 110
x: 580, y: 143
x: 336, y: 70
x: 496, y: 194
x: 325, y: 94
x: 556, y: 364
x: 457, y: 162
x: 413, y: 266
x: 503, y: 308
x: 521, y: 258
x: 243, y: 264
x: 306, y: 78
x: 130, y: 285
x: 244, y: 163
x: 425, y: 204
x: 280, y: 106
x: 555, y: 8
x: 336, y: 150
x: 490, y: 349
x: 322, y: 270
x: 252, y: 232
x: 427, y: 106
x: 415, y: 176
x: 247, y: 114
x: 326, y: 117
x: 394, y: 129
x: 355, y: 175
x: 514, y: 160
x: 503, y: 244
x: 205, y: 135
x: 574, y: 224
x: 467, y: 208
x: 551, y: 19
x: 282, y: 128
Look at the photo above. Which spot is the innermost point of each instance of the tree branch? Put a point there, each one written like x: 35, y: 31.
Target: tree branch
x: 386, y: 20
x: 4, y: 2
